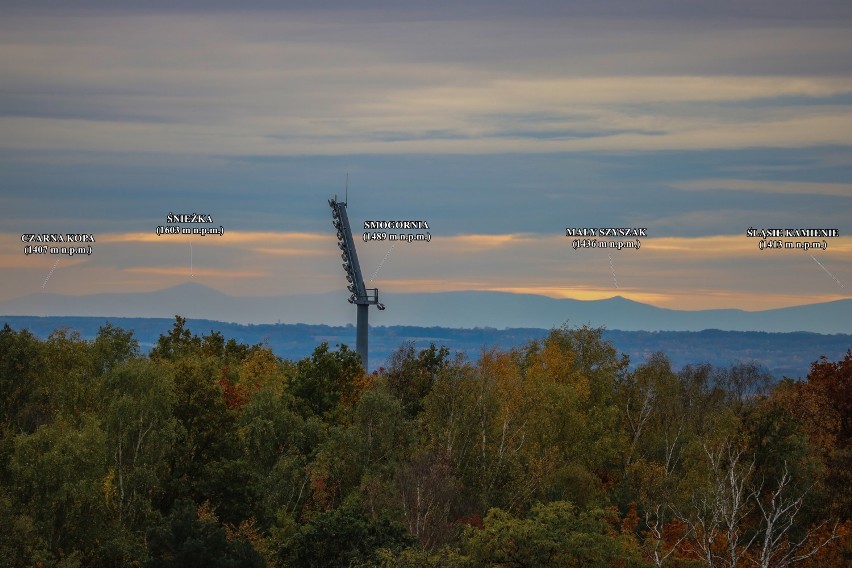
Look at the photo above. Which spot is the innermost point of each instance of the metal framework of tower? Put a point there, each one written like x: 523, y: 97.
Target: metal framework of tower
x: 361, y: 296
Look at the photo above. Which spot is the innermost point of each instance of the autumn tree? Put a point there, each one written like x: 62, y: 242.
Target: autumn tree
x: 657, y: 428
x: 823, y: 404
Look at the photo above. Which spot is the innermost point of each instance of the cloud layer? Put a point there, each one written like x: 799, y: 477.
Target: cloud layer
x: 499, y: 126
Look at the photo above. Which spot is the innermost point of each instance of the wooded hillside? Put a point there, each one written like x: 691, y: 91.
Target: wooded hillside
x: 210, y: 452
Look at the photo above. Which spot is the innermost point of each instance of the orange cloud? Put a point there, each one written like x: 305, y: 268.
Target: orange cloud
x: 721, y: 271
x: 474, y: 243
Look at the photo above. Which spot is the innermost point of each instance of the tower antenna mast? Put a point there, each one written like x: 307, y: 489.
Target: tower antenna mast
x: 361, y: 296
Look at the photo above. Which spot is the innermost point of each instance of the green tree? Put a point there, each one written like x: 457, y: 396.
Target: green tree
x: 206, y: 462
x: 410, y: 375
x: 326, y: 378
x: 59, y: 472
x: 343, y: 537
x: 556, y: 534
x: 24, y: 398
x: 140, y: 430
x: 278, y: 445
x: 180, y: 341
x: 186, y: 540
x: 111, y: 347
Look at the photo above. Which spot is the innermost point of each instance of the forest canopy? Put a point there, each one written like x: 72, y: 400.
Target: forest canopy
x: 211, y: 452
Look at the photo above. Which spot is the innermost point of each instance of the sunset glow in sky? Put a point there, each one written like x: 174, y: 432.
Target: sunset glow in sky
x: 501, y: 124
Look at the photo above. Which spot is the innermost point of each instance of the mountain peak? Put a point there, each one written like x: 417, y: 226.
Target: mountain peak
x: 446, y: 309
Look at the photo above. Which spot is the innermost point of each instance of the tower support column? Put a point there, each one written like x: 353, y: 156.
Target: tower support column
x: 361, y: 333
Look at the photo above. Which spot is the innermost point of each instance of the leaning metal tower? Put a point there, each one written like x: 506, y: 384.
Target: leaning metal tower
x: 361, y: 296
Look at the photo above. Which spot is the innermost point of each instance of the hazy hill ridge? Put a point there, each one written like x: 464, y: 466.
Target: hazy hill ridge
x: 445, y: 309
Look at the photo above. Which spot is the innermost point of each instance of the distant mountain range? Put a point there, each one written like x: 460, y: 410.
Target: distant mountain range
x: 445, y: 309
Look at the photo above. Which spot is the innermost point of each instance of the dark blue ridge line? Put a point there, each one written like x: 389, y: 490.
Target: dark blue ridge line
x: 782, y: 354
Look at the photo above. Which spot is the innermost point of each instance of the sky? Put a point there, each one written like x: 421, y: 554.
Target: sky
x: 501, y: 124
